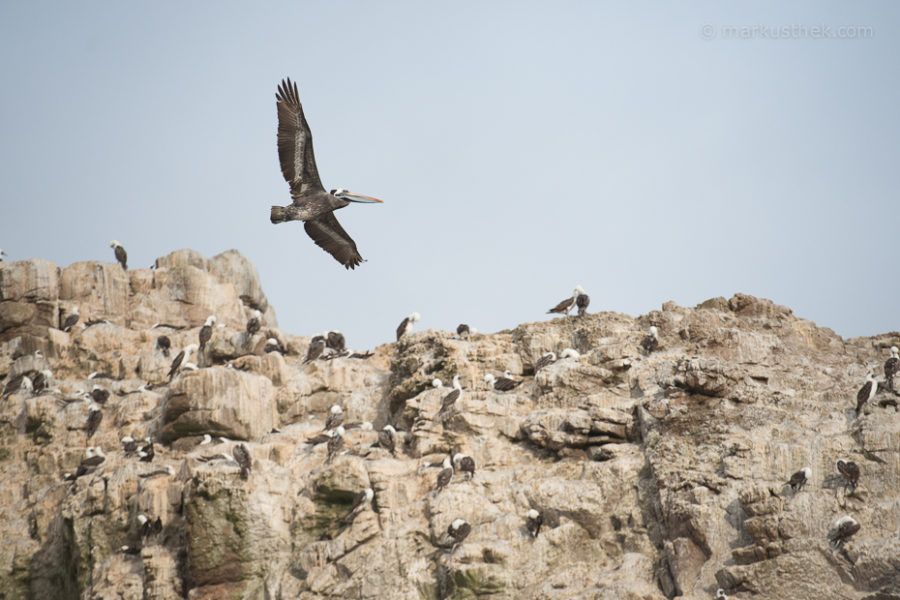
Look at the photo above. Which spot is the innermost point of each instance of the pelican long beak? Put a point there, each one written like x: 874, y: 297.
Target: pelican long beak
x: 350, y: 197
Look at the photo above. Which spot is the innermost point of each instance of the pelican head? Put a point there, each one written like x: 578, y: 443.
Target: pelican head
x: 351, y: 197
x: 2, y: 253
x: 533, y: 514
x: 114, y: 243
x: 489, y: 379
x: 210, y: 320
x: 653, y: 331
x: 336, y: 408
x: 894, y: 350
x: 437, y: 383
x: 370, y: 493
x: 578, y: 290
x: 415, y: 317
x: 844, y: 519
x: 446, y: 464
x: 807, y: 471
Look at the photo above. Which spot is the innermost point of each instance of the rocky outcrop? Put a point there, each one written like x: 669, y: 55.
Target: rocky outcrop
x: 657, y: 475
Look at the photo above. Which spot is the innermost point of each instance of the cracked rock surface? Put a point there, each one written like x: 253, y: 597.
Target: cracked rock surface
x: 657, y: 475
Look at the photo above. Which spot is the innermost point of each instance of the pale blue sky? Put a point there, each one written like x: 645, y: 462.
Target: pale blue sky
x: 521, y: 148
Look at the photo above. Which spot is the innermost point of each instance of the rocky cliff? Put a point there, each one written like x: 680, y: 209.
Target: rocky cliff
x: 656, y: 474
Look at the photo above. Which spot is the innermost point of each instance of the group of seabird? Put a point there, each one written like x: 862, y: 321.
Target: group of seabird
x: 579, y: 299
x: 330, y: 345
x: 845, y: 527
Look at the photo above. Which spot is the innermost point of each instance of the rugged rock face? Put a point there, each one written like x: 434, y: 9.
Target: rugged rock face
x: 656, y: 475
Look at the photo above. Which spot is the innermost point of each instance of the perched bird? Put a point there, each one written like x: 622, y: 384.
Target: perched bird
x: 502, y: 384
x: 450, y: 399
x: 582, y: 301
x: 387, y: 439
x: 164, y: 343
x: 843, y: 530
x: 336, y: 342
x: 866, y: 392
x: 71, y: 320
x: 891, y: 368
x: 129, y: 445
x: 359, y: 504
x: 316, y: 347
x: 41, y: 380
x: 799, y: 479
x: 99, y: 395
x: 335, y: 444
x: 568, y: 304
x: 444, y: 476
x: 545, y: 360
x: 533, y: 522
x: 19, y: 382
x: 272, y: 345
x: 93, y: 458
x: 464, y: 464
x: 121, y: 255
x: 850, y: 471
x: 242, y: 457
x: 206, y: 331
x: 147, y: 452
x: 650, y: 341
x: 459, y: 530
x: 311, y: 203
x: 462, y: 330
x: 335, y: 417
x: 254, y: 323
x: 93, y: 420
x: 181, y: 358
x: 406, y: 325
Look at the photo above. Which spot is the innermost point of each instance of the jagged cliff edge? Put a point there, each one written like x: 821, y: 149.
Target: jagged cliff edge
x: 665, y: 472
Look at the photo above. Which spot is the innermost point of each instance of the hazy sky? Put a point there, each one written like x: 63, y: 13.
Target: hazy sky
x: 521, y: 148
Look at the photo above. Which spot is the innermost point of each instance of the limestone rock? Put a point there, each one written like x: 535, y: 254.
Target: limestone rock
x: 658, y: 475
x: 221, y: 402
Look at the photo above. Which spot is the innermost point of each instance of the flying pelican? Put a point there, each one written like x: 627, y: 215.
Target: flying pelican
x: 311, y: 203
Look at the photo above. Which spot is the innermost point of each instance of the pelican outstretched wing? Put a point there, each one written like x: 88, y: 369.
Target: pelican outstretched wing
x: 328, y: 234
x: 295, y: 147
